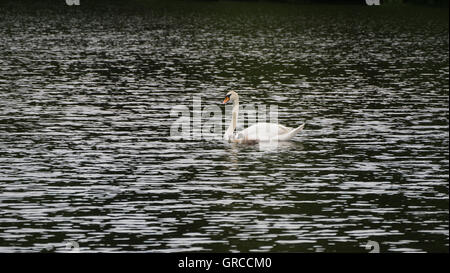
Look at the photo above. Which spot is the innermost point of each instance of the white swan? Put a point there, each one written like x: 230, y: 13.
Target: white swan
x: 259, y: 132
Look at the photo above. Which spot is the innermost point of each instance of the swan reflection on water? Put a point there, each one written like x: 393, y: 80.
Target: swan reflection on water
x: 266, y: 146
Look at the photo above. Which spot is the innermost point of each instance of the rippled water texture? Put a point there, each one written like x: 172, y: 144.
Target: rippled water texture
x: 85, y: 153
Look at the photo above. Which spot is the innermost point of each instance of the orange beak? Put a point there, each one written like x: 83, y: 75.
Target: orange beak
x: 226, y: 100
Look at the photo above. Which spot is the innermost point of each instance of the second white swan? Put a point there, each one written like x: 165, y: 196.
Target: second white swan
x: 259, y: 132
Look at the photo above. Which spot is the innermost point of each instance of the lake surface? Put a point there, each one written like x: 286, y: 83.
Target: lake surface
x: 86, y: 154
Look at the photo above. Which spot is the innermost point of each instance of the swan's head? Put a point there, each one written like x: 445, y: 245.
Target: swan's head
x: 230, y: 96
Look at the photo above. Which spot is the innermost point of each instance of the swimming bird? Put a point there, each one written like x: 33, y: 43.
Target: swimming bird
x: 259, y: 132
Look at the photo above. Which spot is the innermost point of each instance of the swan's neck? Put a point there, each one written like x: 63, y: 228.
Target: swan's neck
x: 234, y: 117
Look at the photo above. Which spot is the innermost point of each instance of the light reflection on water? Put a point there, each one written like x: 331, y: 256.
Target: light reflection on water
x: 85, y: 118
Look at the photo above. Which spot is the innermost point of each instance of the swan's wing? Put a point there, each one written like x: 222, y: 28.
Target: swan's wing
x: 283, y: 129
x: 268, y: 132
x: 291, y: 133
x: 263, y: 131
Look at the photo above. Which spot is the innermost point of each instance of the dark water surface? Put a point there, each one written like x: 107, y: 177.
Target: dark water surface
x: 85, y: 153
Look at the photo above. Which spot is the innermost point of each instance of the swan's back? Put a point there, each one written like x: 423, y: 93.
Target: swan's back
x: 267, y: 132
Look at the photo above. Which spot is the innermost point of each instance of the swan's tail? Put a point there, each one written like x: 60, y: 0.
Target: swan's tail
x: 291, y: 134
